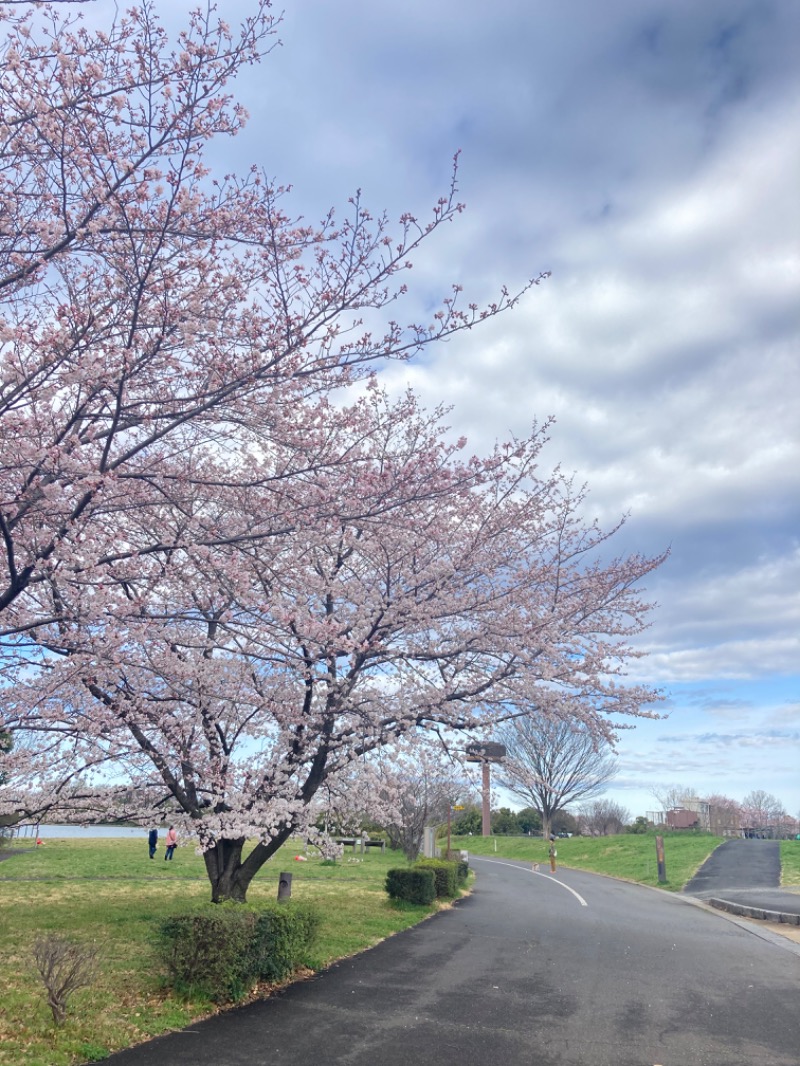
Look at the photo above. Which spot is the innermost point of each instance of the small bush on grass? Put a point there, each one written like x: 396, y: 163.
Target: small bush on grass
x: 220, y: 952
x: 414, y: 886
x: 445, y: 874
x: 462, y: 866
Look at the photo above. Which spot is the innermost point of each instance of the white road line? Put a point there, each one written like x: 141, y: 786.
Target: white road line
x: 537, y: 873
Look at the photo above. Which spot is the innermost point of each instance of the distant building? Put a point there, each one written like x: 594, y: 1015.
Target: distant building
x: 683, y: 818
x: 699, y: 814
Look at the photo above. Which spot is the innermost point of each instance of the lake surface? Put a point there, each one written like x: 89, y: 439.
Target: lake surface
x: 48, y: 832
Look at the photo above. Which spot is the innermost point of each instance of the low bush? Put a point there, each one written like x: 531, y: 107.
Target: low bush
x: 462, y: 865
x: 221, y: 951
x: 445, y: 874
x: 413, y: 885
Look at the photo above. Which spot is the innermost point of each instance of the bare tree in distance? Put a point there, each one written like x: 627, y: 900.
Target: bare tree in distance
x: 761, y: 811
x: 603, y: 817
x: 553, y: 762
x: 670, y: 796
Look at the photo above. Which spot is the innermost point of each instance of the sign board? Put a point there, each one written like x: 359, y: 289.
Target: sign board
x: 487, y: 751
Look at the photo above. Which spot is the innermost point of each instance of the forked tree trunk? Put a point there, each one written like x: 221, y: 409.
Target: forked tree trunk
x: 230, y: 877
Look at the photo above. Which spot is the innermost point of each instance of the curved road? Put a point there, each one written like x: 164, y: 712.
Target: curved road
x: 565, y: 970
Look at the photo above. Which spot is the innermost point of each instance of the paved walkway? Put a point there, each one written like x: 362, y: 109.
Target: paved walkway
x: 531, y: 970
x: 746, y: 874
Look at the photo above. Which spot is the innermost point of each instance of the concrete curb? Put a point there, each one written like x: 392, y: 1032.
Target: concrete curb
x: 754, y: 912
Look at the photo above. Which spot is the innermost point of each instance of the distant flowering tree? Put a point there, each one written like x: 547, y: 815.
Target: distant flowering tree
x: 413, y: 786
x: 762, y: 812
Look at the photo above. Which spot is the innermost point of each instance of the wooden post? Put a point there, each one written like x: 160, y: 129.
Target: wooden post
x: 662, y: 866
x: 285, y: 886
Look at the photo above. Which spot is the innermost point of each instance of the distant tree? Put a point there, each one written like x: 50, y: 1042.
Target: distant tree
x: 670, y: 796
x: 564, y: 822
x: 552, y: 762
x: 529, y: 820
x: 638, y: 825
x: 761, y: 811
x: 604, y: 817
x: 724, y: 814
x: 469, y: 821
x: 399, y: 791
x: 504, y: 822
x: 417, y: 793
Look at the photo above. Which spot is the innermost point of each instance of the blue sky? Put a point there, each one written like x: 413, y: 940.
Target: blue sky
x: 648, y: 155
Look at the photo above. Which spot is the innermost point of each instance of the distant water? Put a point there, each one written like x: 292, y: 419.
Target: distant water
x: 47, y: 832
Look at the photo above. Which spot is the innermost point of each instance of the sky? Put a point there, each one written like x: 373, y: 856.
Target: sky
x: 648, y: 156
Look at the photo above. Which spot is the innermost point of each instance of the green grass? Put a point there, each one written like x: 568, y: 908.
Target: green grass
x: 629, y: 856
x: 790, y: 862
x: 107, y: 892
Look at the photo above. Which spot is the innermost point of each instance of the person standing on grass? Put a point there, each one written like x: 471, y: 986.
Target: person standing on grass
x: 172, y: 843
x: 553, y: 854
x: 152, y: 842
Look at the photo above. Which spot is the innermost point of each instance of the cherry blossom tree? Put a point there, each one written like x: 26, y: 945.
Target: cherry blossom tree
x: 724, y: 815
x: 762, y: 812
x: 554, y: 760
x: 414, y: 785
x: 423, y: 591
x: 146, y: 306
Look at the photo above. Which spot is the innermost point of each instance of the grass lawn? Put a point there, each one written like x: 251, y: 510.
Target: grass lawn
x: 630, y: 856
x: 790, y: 862
x: 108, y: 892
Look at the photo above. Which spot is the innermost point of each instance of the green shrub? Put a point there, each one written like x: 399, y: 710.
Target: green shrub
x: 462, y: 865
x: 284, y: 933
x: 445, y: 874
x: 220, y: 952
x: 415, y: 886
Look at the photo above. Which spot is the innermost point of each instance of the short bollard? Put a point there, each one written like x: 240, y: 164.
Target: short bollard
x: 285, y: 886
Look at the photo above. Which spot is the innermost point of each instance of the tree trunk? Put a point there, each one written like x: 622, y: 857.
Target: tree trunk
x: 230, y: 877
x: 225, y: 872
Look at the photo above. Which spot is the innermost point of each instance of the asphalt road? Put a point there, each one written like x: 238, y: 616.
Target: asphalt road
x: 747, y: 872
x: 738, y: 865
x: 571, y: 970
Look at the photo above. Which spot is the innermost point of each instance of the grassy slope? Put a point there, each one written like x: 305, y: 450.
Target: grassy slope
x: 628, y: 856
x: 790, y: 862
x: 109, y: 892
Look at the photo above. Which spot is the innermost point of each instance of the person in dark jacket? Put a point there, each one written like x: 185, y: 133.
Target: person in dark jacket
x: 152, y: 842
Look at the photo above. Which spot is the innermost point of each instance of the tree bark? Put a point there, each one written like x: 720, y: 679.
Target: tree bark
x: 230, y: 877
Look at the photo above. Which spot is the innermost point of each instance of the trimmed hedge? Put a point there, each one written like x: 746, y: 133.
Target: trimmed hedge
x: 462, y: 865
x: 415, y: 886
x: 445, y: 873
x: 221, y: 951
